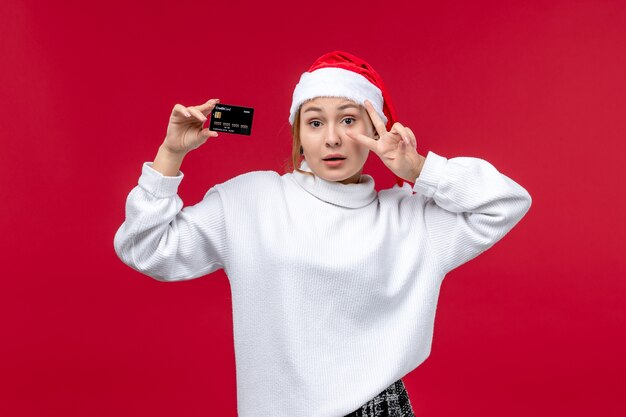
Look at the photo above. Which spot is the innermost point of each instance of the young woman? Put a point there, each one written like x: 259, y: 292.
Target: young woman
x: 334, y: 286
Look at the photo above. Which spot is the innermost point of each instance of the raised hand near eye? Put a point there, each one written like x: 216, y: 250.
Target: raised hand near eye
x: 397, y: 148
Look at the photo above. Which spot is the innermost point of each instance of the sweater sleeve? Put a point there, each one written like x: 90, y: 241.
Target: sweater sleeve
x: 164, y: 241
x: 470, y: 206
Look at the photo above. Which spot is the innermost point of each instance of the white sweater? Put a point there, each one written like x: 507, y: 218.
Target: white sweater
x: 334, y: 286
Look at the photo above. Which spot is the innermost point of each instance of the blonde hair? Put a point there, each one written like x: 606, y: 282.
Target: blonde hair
x: 296, y: 147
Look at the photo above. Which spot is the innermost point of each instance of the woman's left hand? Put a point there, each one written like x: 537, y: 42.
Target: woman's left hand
x: 396, y: 148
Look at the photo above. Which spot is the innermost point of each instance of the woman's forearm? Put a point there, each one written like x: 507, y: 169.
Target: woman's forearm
x: 167, y: 162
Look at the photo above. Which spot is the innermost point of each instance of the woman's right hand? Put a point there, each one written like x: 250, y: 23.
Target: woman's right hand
x: 185, y: 131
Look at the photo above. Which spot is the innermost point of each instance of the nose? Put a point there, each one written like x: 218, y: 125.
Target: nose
x: 332, y: 137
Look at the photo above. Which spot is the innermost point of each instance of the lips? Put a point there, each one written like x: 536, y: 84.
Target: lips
x: 334, y: 157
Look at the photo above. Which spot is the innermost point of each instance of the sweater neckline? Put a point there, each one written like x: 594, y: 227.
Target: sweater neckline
x: 343, y: 195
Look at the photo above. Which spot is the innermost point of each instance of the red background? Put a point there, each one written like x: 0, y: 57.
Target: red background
x: 533, y: 327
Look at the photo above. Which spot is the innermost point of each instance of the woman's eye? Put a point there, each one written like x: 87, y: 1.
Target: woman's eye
x: 315, y: 123
x: 349, y: 120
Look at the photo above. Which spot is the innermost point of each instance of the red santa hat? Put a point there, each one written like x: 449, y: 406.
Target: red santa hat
x: 340, y: 74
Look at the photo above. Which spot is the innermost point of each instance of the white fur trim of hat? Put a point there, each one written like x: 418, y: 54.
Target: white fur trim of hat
x: 336, y: 82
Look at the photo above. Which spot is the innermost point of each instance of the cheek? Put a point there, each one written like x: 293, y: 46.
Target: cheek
x: 308, y: 143
x: 304, y: 139
x: 362, y: 152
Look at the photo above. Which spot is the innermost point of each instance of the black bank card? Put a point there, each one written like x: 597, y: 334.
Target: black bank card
x: 231, y: 119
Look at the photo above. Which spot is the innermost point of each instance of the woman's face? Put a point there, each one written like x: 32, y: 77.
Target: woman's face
x: 323, y: 125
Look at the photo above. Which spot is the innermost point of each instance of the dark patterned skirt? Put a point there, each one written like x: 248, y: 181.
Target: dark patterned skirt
x: 392, y: 402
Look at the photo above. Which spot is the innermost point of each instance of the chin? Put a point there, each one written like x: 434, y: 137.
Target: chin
x: 339, y: 176
x: 336, y: 175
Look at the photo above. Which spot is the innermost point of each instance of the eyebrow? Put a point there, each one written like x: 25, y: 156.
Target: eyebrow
x: 345, y: 106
